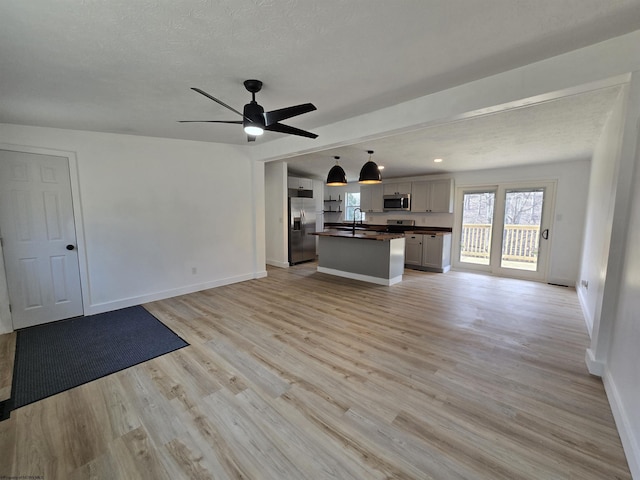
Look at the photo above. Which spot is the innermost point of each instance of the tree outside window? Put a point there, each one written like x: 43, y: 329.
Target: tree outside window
x: 353, y: 202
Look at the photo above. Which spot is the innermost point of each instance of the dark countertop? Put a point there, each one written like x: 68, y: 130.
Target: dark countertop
x: 360, y: 234
x: 427, y: 232
x: 415, y: 230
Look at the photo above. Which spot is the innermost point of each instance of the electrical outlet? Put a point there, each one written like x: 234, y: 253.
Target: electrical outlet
x: 194, y: 270
x: 585, y: 284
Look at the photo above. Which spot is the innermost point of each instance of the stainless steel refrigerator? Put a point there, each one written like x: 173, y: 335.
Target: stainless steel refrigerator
x: 302, y: 222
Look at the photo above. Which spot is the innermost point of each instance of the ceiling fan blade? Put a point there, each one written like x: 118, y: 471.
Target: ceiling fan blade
x: 220, y: 102
x: 238, y: 122
x: 279, y: 127
x: 251, y: 138
x: 275, y: 116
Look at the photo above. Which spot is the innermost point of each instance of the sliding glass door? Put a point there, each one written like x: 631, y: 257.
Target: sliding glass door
x: 521, y: 229
x: 477, y: 226
x: 504, y: 229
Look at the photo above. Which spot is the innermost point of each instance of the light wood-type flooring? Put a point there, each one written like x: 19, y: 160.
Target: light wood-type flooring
x: 302, y: 375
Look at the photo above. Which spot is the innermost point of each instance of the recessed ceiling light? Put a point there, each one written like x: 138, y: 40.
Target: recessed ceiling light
x: 380, y: 167
x: 437, y: 160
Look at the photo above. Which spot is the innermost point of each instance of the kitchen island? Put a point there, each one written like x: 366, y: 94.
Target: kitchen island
x: 362, y: 255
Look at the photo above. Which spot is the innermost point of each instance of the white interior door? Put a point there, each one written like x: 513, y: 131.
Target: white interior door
x: 39, y: 239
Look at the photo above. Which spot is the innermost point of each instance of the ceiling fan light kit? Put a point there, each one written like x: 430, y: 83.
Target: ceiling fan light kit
x: 370, y: 173
x: 253, y: 130
x: 255, y: 120
x: 336, y: 177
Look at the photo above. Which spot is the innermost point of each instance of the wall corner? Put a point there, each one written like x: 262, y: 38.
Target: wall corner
x: 594, y: 366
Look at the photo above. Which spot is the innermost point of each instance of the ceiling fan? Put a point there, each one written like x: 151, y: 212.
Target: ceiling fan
x: 255, y: 120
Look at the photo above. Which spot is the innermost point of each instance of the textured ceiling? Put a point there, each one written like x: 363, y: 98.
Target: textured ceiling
x: 560, y: 130
x: 125, y: 66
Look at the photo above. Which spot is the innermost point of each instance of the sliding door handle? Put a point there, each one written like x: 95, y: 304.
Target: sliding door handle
x: 545, y: 234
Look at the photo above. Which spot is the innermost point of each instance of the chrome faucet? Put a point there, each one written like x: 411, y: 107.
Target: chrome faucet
x: 353, y: 229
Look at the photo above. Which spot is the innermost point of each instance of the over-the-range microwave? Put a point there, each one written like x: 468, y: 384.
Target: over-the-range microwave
x: 397, y: 202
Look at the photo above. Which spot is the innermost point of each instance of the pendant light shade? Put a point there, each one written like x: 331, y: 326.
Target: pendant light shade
x: 370, y: 173
x: 336, y: 177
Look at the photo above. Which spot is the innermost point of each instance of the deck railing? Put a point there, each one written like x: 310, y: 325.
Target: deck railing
x: 520, y: 242
x: 475, y: 240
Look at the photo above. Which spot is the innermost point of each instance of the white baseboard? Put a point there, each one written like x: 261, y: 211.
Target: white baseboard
x: 276, y: 263
x: 152, y: 297
x: 630, y: 443
x: 358, y: 276
x: 594, y: 366
x: 588, y: 319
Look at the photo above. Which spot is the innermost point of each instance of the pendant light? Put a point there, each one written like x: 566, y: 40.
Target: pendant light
x: 370, y: 172
x: 336, y: 177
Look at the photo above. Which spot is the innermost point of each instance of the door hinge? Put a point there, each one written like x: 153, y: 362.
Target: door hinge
x: 10, y: 311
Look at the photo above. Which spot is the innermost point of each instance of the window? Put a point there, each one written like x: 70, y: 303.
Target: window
x: 353, y: 202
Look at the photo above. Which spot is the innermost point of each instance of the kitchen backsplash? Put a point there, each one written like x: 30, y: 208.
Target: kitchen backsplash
x: 422, y: 220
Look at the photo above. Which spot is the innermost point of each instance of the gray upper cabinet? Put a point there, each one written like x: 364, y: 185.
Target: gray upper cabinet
x: 432, y: 196
x: 396, y: 188
x: 300, y: 183
x: 371, y: 198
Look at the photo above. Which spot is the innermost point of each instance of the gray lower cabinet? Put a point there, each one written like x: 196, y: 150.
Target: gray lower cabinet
x: 413, y: 250
x: 428, y: 252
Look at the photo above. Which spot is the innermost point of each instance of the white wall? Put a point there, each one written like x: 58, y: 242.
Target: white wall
x: 615, y: 338
x: 600, y: 205
x: 276, y: 221
x: 622, y: 375
x: 259, y: 225
x: 153, y: 209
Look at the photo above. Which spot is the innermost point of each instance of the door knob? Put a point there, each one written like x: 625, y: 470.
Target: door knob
x: 71, y: 247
